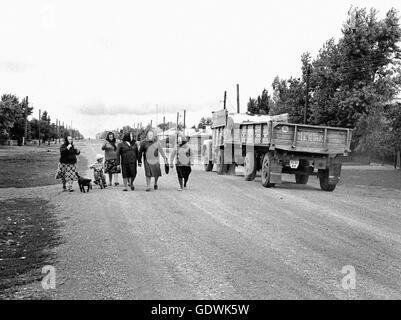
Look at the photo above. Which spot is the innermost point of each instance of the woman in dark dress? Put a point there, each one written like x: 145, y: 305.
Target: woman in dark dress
x: 150, y: 150
x: 67, y: 169
x: 127, y: 159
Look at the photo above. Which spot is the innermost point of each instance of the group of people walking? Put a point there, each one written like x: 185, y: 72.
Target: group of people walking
x: 124, y: 158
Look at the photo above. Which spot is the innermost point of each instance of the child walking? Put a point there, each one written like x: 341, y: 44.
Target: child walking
x: 183, y: 157
x: 98, y: 171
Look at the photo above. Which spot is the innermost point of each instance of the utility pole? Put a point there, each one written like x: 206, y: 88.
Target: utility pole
x: 39, y: 125
x: 238, y: 108
x: 49, y: 126
x: 225, y: 99
x: 58, y: 130
x: 26, y: 121
x: 164, y: 125
x: 157, y: 114
x: 176, y: 140
x: 307, y: 93
x: 185, y: 115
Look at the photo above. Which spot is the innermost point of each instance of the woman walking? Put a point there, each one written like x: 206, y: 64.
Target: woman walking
x: 67, y: 170
x: 150, y: 149
x: 183, y: 157
x: 110, y: 158
x: 127, y: 155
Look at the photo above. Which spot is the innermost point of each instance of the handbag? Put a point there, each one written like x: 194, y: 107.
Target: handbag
x: 166, y: 168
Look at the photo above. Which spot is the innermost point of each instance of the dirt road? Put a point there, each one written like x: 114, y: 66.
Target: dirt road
x: 225, y: 238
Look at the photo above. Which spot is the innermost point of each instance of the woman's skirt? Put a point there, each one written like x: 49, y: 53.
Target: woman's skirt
x: 152, y: 170
x: 67, y: 172
x: 128, y: 170
x: 183, y: 171
x: 110, y: 166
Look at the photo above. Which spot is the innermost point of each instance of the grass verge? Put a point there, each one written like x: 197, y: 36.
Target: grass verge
x: 28, y: 233
x: 31, y: 166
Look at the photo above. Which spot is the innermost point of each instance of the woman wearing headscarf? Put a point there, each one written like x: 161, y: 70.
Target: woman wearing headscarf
x: 150, y: 150
x: 67, y: 169
x: 110, y: 158
x: 127, y: 159
x: 183, y: 157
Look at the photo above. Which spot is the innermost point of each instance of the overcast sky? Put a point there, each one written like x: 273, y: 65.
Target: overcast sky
x: 104, y: 64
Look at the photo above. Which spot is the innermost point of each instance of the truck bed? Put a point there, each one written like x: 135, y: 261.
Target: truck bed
x: 296, y: 137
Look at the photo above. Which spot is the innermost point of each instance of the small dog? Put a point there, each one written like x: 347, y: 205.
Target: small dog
x: 84, y: 182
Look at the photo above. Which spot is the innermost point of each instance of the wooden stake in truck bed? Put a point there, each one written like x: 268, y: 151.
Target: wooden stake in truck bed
x: 274, y: 146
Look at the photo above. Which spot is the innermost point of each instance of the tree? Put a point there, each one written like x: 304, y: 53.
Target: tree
x: 351, y: 82
x: 17, y: 131
x: 263, y: 102
x: 360, y: 73
x: 167, y: 125
x: 288, y: 97
x: 252, y: 106
x: 393, y: 121
x: 10, y: 112
x: 260, y: 105
x: 45, y: 126
x: 204, y: 122
x: 374, y: 134
x: 306, y: 75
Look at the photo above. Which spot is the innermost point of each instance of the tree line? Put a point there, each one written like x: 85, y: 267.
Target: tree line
x: 14, y: 112
x: 353, y: 82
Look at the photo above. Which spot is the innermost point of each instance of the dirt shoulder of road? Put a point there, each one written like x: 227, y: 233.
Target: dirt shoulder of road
x: 29, y: 226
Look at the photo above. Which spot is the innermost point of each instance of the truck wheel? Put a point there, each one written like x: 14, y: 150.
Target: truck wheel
x: 301, y: 178
x: 250, y: 166
x: 266, y: 170
x: 325, y: 185
x: 221, y: 167
x: 208, y: 166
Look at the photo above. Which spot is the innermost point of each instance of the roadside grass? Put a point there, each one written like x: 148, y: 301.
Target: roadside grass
x: 31, y: 166
x: 373, y: 178
x: 28, y: 233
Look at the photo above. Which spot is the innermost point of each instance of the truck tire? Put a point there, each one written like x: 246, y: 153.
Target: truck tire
x: 266, y: 170
x: 208, y: 166
x: 325, y: 185
x: 250, y: 166
x: 221, y: 168
x: 301, y: 178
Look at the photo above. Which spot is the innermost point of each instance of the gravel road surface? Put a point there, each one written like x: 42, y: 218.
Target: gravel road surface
x: 225, y: 238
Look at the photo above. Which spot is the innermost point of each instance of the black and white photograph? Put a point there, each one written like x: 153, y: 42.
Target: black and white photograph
x: 217, y: 151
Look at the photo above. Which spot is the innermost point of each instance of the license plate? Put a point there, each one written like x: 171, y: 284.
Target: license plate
x: 294, y: 164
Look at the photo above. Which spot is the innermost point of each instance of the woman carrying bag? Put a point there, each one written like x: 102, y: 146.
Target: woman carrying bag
x: 150, y: 150
x: 183, y: 157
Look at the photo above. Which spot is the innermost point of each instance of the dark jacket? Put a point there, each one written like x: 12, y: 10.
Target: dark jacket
x: 127, y: 154
x: 68, y: 156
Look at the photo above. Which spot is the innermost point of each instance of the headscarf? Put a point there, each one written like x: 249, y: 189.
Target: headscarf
x: 66, y: 142
x: 154, y: 135
x: 112, y: 142
x: 127, y: 137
